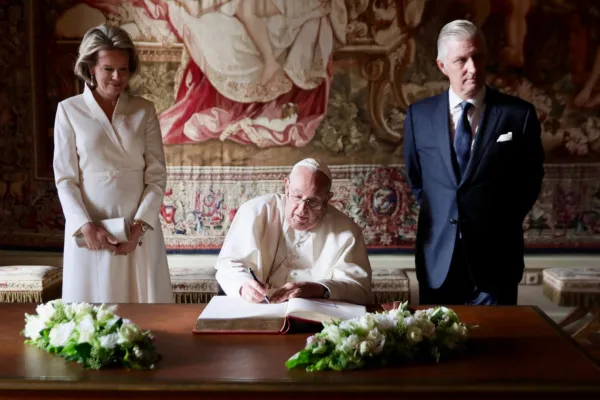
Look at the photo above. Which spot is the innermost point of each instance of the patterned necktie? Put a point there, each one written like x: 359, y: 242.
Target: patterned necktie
x: 462, y: 138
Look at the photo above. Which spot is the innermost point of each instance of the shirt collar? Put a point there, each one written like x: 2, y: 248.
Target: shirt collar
x: 477, y: 101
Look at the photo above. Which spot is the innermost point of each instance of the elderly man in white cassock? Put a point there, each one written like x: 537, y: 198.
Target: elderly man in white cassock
x: 295, y: 245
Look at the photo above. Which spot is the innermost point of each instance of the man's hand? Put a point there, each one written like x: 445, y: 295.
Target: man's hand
x: 253, y: 292
x: 305, y: 290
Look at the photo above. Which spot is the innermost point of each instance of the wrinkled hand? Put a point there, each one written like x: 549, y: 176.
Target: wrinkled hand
x: 254, y: 292
x: 130, y: 246
x: 305, y: 290
x: 96, y: 238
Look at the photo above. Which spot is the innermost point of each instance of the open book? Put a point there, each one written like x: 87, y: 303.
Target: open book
x: 224, y: 314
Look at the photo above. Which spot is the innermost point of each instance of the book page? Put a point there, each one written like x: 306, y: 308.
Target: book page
x: 324, y: 310
x: 226, y: 307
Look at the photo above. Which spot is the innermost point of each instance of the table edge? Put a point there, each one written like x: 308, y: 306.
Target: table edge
x: 343, y: 387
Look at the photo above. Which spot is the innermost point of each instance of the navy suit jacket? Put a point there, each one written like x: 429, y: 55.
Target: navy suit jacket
x: 488, y: 205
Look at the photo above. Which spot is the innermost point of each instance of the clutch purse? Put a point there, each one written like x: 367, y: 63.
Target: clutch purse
x: 116, y: 227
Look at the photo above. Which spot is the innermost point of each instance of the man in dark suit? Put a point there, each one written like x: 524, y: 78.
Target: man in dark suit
x: 474, y: 161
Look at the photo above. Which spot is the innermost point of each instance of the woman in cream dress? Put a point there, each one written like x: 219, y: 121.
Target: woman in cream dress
x: 109, y: 163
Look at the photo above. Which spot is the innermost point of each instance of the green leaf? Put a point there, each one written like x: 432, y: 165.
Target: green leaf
x: 299, y: 359
x: 84, y: 350
x: 323, y: 364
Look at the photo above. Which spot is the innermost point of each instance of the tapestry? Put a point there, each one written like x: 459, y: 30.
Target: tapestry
x: 245, y: 88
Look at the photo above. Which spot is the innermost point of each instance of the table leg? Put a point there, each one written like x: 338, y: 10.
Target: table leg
x: 592, y: 326
x: 573, y: 316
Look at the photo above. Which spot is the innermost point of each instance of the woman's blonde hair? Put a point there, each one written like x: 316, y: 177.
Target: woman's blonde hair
x: 103, y: 37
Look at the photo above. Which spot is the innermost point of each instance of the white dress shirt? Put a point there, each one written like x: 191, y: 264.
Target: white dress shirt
x: 475, y: 112
x: 332, y: 254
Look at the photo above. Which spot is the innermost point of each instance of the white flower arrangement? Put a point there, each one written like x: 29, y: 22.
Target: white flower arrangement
x: 91, y: 335
x: 378, y: 339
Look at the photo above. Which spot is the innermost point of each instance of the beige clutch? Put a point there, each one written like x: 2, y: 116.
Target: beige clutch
x: 116, y: 227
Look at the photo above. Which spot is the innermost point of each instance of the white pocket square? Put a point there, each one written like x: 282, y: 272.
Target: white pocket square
x: 505, y: 137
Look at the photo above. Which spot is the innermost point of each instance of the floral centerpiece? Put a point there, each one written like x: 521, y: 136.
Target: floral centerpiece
x: 91, y: 335
x: 378, y: 339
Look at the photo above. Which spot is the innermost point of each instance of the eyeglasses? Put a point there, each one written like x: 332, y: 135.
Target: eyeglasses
x: 314, y: 205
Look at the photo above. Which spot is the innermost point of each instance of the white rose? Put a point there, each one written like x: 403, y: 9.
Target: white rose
x: 366, y: 322
x: 378, y: 340
x: 427, y: 328
x: 86, y: 329
x: 385, y: 322
x: 366, y: 348
x: 128, y: 333
x: 311, y: 341
x: 414, y: 335
x: 348, y: 325
x: 333, y: 334
x: 45, y: 311
x: 82, y: 309
x: 105, y: 312
x: 33, y: 327
x: 61, y: 333
x: 398, y: 317
x: 109, y: 341
x: 69, y: 311
x: 349, y: 344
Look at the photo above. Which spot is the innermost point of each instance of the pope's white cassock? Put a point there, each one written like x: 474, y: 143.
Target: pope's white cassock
x: 332, y: 254
x: 108, y: 170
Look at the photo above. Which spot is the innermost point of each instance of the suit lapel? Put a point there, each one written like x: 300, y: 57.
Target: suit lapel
x: 485, y: 133
x: 101, y: 117
x: 441, y: 128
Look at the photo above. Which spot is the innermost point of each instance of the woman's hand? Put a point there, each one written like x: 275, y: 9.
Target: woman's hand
x: 97, y: 238
x: 129, y: 247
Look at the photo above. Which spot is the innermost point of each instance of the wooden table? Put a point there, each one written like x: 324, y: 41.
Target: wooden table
x: 516, y: 353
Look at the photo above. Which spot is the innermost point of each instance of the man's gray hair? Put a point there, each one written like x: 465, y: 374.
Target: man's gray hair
x: 457, y: 30
x: 103, y: 37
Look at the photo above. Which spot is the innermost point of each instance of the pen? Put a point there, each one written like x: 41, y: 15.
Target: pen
x: 256, y: 279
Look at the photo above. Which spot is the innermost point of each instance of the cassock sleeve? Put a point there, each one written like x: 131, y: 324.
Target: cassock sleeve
x: 155, y: 172
x: 351, y: 279
x: 240, y: 250
x: 66, y: 173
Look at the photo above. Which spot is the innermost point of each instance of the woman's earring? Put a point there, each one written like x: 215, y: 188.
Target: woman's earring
x: 94, y: 84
